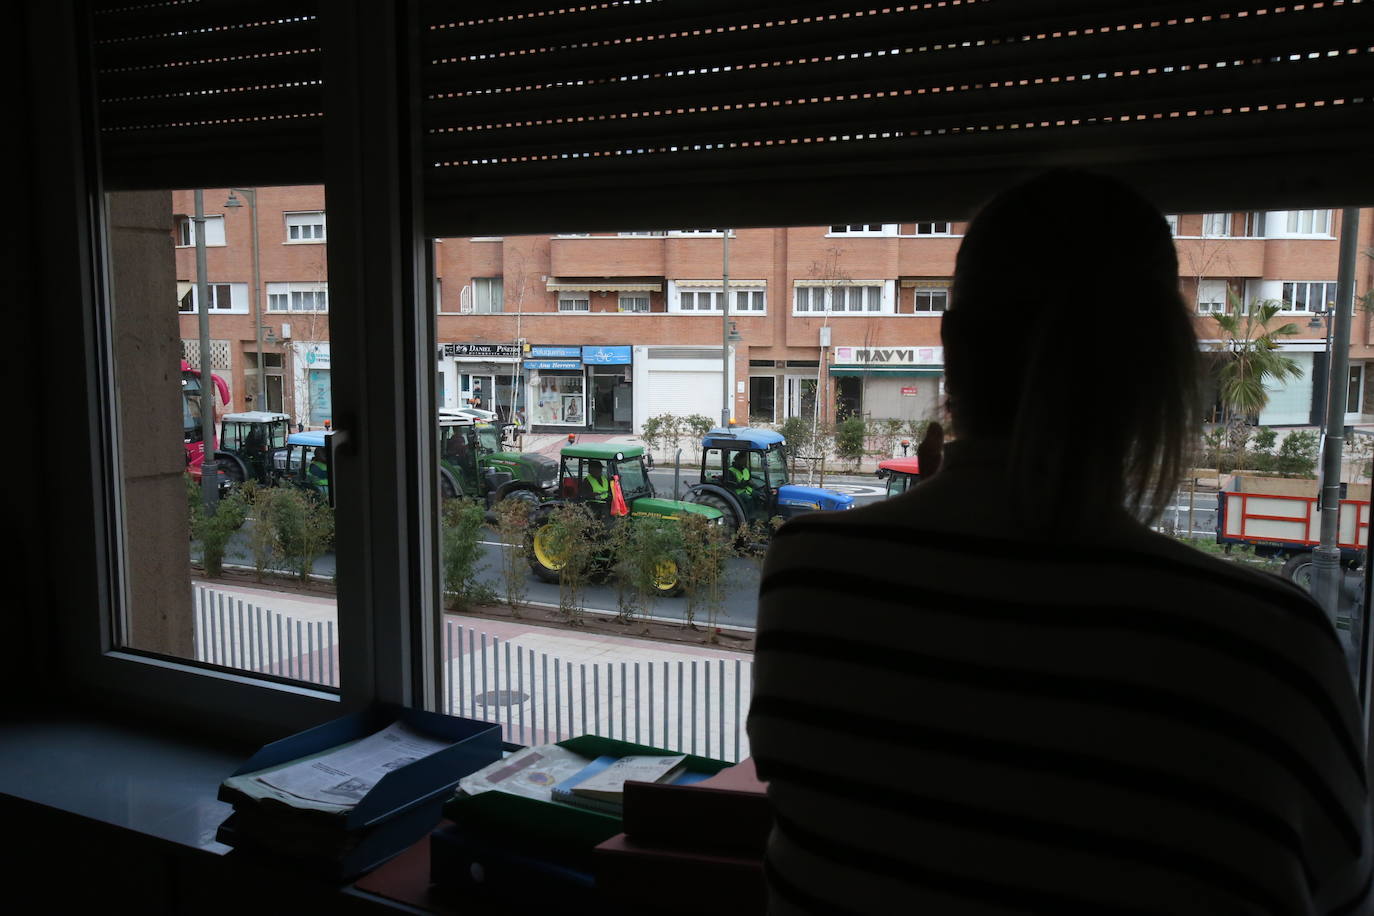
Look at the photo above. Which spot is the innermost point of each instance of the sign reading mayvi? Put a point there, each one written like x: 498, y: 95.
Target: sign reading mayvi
x: 891, y: 356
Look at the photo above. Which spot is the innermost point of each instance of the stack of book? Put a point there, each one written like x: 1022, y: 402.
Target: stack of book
x: 523, y: 825
x: 705, y: 839
x: 342, y: 798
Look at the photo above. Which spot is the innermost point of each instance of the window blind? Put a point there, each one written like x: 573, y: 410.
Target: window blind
x: 208, y: 93
x: 539, y: 115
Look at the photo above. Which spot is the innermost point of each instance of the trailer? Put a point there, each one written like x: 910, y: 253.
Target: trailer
x: 1281, y: 517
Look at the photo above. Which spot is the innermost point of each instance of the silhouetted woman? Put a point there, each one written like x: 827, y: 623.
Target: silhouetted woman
x: 1001, y: 692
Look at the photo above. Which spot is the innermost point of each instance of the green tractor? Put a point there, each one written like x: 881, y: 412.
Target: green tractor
x: 474, y: 463
x: 585, y: 474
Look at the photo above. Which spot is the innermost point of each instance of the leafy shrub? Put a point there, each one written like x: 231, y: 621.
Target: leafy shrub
x: 1297, y: 455
x: 573, y: 534
x: 849, y: 439
x: 462, y: 525
x: 701, y: 569
x: 214, y: 529
x: 512, y: 524
x: 303, y: 526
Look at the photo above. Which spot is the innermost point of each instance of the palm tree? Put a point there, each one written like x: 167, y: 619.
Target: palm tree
x: 1250, y: 360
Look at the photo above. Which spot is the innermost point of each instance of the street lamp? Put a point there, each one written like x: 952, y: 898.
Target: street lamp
x: 1324, y: 314
x: 233, y: 201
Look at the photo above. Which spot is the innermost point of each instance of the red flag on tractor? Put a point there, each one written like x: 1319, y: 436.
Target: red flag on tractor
x: 618, y: 506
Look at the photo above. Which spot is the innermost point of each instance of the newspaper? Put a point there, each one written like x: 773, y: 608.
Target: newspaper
x: 532, y: 772
x: 335, y: 780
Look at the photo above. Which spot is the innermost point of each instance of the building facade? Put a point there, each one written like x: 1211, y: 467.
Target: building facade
x: 603, y: 330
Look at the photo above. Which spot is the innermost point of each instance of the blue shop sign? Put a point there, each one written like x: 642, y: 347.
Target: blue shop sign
x: 552, y: 352
x: 606, y: 356
x: 552, y: 364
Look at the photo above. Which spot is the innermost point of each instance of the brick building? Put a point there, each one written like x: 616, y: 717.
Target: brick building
x: 604, y: 330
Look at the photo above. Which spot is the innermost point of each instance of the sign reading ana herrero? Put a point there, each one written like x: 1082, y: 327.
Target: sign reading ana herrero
x: 479, y: 351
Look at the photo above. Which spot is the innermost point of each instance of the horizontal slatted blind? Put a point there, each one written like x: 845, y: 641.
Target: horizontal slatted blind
x: 550, y: 116
x: 206, y: 93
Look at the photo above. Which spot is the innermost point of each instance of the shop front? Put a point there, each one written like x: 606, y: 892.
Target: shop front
x: 482, y: 375
x: 898, y: 383
x: 589, y: 387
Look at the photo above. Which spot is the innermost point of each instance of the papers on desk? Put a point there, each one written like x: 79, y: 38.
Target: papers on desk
x: 335, y: 780
x: 532, y: 772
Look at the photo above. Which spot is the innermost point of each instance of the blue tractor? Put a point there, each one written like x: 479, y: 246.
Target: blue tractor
x: 744, y: 475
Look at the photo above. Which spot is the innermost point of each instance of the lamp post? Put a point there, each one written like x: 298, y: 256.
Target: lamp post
x: 725, y: 328
x: 1319, y: 317
x: 233, y: 201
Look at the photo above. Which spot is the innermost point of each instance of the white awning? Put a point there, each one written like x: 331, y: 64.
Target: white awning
x: 183, y: 288
x: 926, y: 282
x: 734, y: 284
x: 837, y: 282
x: 610, y: 286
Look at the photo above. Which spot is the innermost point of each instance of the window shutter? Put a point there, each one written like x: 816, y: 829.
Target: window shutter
x: 536, y: 115
x: 206, y: 93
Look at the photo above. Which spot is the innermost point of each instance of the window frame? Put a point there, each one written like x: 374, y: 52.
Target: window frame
x: 288, y: 225
x: 238, y: 299
x: 292, y: 289
x: 676, y: 293
x: 886, y: 305
x: 862, y: 230
x: 489, y: 284
x: 573, y: 297
x: 1287, y: 295
x: 185, y: 228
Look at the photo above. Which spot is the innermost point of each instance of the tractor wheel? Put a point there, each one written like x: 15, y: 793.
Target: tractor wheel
x: 1298, y: 569
x: 525, y: 496
x: 232, y: 472
x: 716, y: 501
x: 544, y: 562
x: 666, y: 581
x: 447, y: 488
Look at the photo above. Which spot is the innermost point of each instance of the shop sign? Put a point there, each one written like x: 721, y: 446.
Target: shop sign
x: 606, y: 356
x: 553, y: 364
x: 891, y: 356
x: 553, y: 352
x: 909, y: 391
x: 479, y: 351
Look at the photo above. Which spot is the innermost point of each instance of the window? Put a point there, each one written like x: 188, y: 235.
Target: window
x: 574, y: 302
x: 744, y: 301
x: 1309, y: 222
x: 487, y: 295
x: 1308, y: 297
x: 646, y: 233
x: 1211, y: 297
x: 636, y: 303
x: 298, y: 297
x: 928, y: 300
x: 186, y: 231
x: 848, y: 299
x: 1354, y: 392
x: 306, y: 226
x: 699, y: 301
x: 700, y: 232
x: 224, y: 297
x: 865, y: 229
x: 1216, y: 225
x: 932, y: 228
x: 1172, y: 220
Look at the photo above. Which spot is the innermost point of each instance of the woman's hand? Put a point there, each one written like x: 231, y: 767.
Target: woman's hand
x: 931, y: 450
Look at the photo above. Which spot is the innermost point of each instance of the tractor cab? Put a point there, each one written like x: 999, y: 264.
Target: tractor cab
x: 901, y: 473
x: 475, y: 462
x: 585, y: 473
x: 248, y: 442
x: 304, y: 462
x: 744, y: 475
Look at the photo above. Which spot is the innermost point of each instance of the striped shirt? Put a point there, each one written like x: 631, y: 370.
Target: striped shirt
x: 956, y: 720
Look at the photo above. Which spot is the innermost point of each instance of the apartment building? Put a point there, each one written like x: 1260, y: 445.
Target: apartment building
x: 604, y: 330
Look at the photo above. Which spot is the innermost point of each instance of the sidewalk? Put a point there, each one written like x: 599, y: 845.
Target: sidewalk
x: 539, y: 683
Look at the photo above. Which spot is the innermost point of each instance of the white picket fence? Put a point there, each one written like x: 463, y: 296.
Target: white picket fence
x: 688, y: 704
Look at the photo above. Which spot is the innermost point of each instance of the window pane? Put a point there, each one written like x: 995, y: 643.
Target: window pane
x: 220, y: 572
